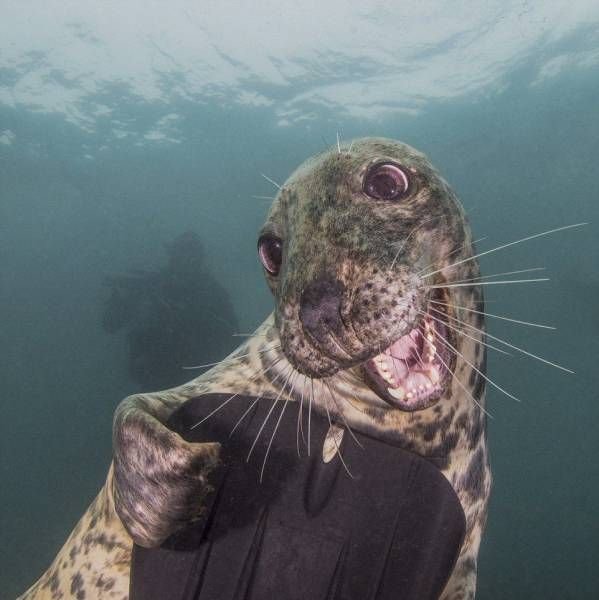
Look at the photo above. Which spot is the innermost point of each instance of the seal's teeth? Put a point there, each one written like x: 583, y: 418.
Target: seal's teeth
x: 433, y: 375
x: 398, y: 393
x: 429, y: 349
x: 428, y: 358
x: 379, y: 361
x: 382, y: 369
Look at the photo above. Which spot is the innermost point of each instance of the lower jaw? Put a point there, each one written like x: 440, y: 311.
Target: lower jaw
x: 398, y: 397
x: 409, y: 374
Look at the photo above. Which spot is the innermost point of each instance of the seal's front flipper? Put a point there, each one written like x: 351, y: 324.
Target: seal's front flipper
x: 307, y: 531
x: 160, y: 482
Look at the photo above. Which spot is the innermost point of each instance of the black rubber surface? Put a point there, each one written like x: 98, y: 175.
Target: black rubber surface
x: 393, y: 531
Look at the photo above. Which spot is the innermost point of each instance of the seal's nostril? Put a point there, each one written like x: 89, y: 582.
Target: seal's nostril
x: 320, y: 307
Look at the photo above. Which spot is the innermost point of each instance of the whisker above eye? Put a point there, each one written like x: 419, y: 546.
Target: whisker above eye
x: 279, y: 187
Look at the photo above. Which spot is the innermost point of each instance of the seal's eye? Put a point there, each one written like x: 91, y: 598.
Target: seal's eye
x: 270, y: 250
x: 386, y: 181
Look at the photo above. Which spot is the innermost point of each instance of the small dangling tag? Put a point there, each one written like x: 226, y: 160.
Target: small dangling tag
x: 332, y: 443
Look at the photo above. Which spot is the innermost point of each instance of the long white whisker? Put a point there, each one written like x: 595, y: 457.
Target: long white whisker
x: 272, y: 437
x: 236, y: 357
x: 257, y: 197
x: 447, y: 344
x: 310, y: 413
x: 530, y: 237
x: 269, y: 413
x: 482, y: 277
x: 253, y: 403
x: 461, y: 331
x: 347, y: 399
x: 215, y: 410
x: 486, y: 314
x: 255, y: 376
x: 456, y: 250
x: 338, y: 144
x: 206, y: 365
x: 342, y: 415
x: 300, y: 425
x: 548, y: 362
x: 247, y: 410
x: 474, y: 283
x: 464, y: 388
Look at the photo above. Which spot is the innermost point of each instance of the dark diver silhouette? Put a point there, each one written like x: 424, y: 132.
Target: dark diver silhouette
x: 175, y: 316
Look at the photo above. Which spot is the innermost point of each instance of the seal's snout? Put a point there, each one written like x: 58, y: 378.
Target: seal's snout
x: 320, y: 308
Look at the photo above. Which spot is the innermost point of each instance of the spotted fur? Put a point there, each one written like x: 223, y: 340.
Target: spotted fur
x: 371, y: 255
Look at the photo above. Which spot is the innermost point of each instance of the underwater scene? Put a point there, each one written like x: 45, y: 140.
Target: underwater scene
x: 141, y: 147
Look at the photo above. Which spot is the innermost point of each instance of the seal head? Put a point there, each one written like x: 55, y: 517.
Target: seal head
x: 343, y: 249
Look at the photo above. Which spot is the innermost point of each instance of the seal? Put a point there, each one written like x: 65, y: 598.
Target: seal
x: 365, y: 250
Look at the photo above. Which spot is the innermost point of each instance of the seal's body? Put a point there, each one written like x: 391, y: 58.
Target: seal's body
x: 359, y: 249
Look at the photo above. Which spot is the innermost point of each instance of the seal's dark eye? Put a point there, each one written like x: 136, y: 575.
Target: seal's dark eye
x: 386, y: 181
x: 270, y: 250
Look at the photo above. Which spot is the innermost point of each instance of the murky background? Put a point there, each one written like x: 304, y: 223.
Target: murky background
x: 132, y: 140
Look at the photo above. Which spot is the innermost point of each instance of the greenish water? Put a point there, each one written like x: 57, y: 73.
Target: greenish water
x: 78, y: 205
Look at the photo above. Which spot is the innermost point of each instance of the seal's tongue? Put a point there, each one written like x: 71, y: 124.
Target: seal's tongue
x: 407, y: 347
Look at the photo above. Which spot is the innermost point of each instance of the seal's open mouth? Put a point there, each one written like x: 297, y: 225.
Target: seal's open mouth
x: 413, y: 371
